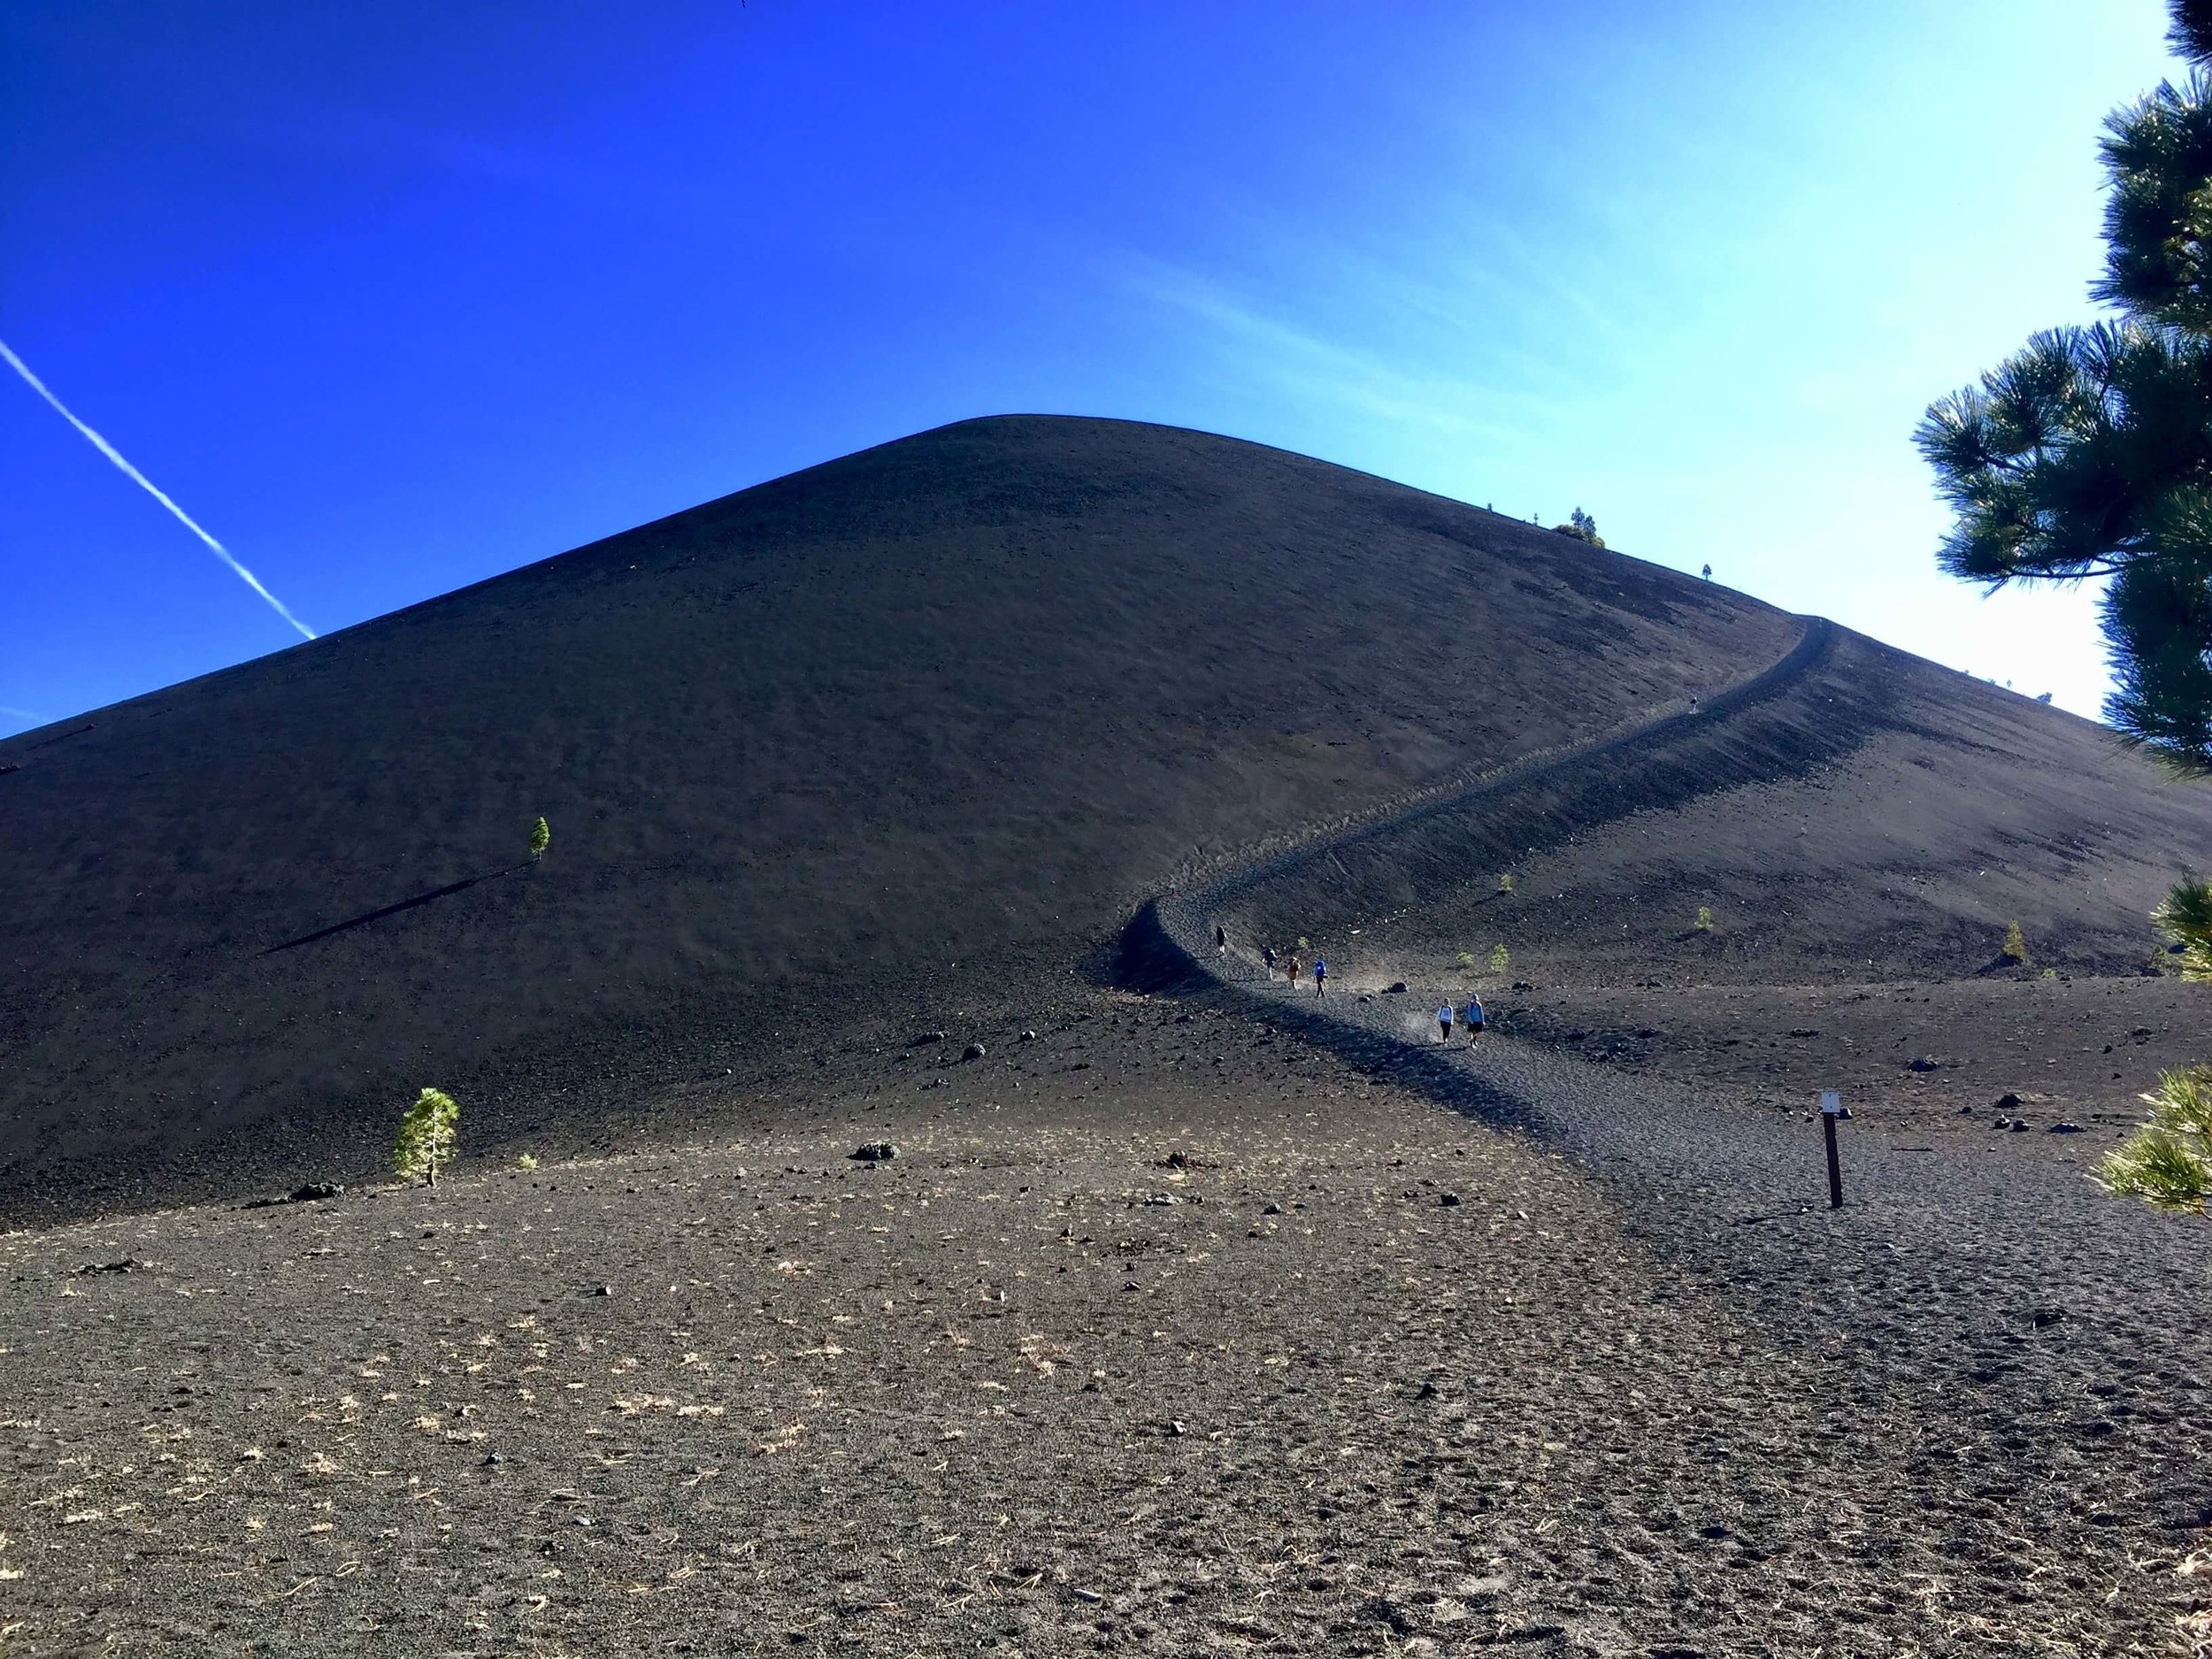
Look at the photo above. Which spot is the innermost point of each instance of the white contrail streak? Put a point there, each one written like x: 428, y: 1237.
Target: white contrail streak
x: 147, y: 484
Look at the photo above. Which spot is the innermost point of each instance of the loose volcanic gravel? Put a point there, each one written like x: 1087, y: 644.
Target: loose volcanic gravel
x: 1201, y: 1339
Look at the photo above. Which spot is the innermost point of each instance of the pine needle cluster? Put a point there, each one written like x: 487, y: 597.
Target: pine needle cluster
x: 2168, y: 1162
x: 2089, y: 452
x: 2185, y: 915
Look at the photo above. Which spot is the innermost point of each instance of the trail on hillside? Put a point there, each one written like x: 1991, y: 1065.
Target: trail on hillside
x: 1981, y: 1306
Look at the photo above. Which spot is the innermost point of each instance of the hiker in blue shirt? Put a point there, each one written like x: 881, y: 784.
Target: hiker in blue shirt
x: 1474, y: 1018
x: 1320, y: 976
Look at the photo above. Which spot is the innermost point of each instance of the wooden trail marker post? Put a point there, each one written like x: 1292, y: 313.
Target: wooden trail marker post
x: 1830, y: 1109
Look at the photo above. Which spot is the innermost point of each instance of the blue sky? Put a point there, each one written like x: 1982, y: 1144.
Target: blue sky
x: 391, y: 298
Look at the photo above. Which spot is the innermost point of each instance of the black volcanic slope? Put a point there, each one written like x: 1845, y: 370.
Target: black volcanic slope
x: 913, y: 729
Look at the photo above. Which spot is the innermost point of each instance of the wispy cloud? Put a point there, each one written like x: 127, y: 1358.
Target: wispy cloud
x: 1306, y: 362
x: 28, y: 716
x: 146, y: 484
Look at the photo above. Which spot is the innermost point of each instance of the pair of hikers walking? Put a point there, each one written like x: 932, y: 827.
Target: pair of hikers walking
x: 1475, y: 1021
x: 1291, y: 971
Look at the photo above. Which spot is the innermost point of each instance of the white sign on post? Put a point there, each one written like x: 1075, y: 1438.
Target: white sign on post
x: 1832, y: 1102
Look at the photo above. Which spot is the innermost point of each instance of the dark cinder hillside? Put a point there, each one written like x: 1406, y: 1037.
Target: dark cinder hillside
x: 917, y: 727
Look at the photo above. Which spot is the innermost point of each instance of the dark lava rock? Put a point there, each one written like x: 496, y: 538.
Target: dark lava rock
x: 973, y: 1051
x: 1028, y: 1035
x: 2018, y: 1124
x: 309, y: 1193
x: 874, y: 1152
x: 1806, y: 1031
x: 1523, y: 985
x: 2063, y: 1129
x: 1272, y: 1209
x: 128, y: 1265
x: 1447, y: 1200
x: 2007, y: 1101
x: 1176, y: 1161
x: 1396, y: 987
x: 925, y: 1037
x: 1920, y: 1062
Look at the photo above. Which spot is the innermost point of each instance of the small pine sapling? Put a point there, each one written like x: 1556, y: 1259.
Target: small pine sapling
x: 1467, y: 961
x: 527, y: 1161
x: 1500, y: 959
x: 541, y: 838
x: 2168, y: 1162
x: 2015, y: 943
x: 1304, y: 943
x: 1704, y: 918
x: 1505, y: 883
x: 429, y: 1131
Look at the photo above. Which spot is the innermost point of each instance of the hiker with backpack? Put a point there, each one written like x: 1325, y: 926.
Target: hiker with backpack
x: 1474, y: 1018
x: 1320, y: 976
x: 1444, y: 1023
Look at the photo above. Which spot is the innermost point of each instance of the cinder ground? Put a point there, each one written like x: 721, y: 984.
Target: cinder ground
x: 902, y: 743
x: 1166, y: 1332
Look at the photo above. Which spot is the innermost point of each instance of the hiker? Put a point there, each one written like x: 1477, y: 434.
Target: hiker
x: 1221, y: 941
x: 1320, y: 976
x: 1290, y: 967
x: 1444, y: 1021
x: 1474, y: 1018
x: 1267, y: 955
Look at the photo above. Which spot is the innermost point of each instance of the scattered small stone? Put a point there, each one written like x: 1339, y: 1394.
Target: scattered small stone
x: 1028, y: 1035
x: 1161, y: 1199
x: 1920, y: 1062
x: 1805, y: 1031
x: 1447, y: 1200
x: 1129, y: 1283
x: 128, y: 1265
x: 874, y: 1152
x: 1176, y: 1161
x: 927, y: 1038
x: 1428, y: 1391
x: 1967, y: 1111
x: 603, y: 1290
x: 1396, y: 987
x: 1523, y: 985
x: 1272, y: 1209
x: 492, y: 1460
x: 2007, y: 1101
x: 973, y: 1051
x: 1178, y: 1426
x: 2047, y: 1315
x: 2019, y: 1125
x: 2063, y: 1128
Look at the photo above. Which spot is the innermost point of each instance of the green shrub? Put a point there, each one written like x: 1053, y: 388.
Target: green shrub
x: 2185, y: 915
x: 1704, y: 918
x: 541, y: 838
x: 428, y: 1131
x: 1505, y: 883
x: 2168, y: 1162
x: 1500, y: 959
x: 2015, y: 943
x: 527, y: 1161
x: 1467, y: 961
